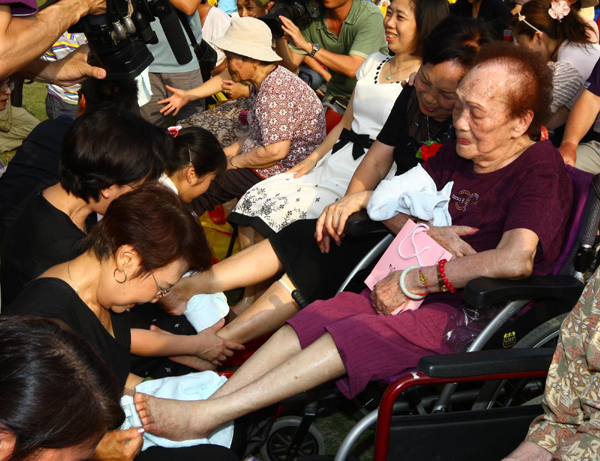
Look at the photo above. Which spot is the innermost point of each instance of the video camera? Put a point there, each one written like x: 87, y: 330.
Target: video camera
x: 118, y: 38
x: 300, y: 12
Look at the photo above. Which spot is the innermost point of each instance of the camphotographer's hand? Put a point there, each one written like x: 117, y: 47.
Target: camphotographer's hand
x: 68, y: 71
x: 293, y: 35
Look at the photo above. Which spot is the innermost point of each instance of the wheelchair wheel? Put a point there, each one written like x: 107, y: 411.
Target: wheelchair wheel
x: 280, y: 439
x: 516, y: 392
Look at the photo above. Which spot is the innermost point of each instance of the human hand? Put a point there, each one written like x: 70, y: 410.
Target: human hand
x: 410, y: 81
x: 568, y: 150
x: 293, y: 34
x: 214, y: 348
x: 120, y: 445
x: 72, y: 69
x: 450, y: 238
x: 387, y: 295
x: 305, y: 166
x: 194, y: 362
x: 188, y: 360
x: 175, y: 102
x: 234, y: 90
x: 332, y: 221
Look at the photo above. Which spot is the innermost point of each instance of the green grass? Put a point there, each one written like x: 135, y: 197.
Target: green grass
x: 34, y: 97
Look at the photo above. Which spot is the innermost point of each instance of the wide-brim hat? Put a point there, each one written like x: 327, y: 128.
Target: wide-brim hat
x: 249, y: 37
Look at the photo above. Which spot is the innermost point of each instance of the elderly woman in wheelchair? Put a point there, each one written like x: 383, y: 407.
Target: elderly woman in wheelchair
x: 514, y: 192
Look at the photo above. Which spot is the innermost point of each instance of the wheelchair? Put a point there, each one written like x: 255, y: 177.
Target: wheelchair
x: 478, y: 410
x: 510, y: 356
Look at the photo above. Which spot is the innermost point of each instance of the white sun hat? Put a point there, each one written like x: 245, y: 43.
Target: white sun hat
x: 249, y: 37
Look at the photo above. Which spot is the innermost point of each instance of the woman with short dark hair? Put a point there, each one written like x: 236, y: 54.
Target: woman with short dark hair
x: 143, y: 245
x: 51, y: 381
x: 104, y: 154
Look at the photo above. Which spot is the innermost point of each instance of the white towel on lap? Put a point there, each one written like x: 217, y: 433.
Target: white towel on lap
x: 413, y: 193
x: 195, y: 386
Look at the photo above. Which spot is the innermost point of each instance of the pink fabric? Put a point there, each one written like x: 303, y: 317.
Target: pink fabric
x: 285, y: 108
x: 373, y: 346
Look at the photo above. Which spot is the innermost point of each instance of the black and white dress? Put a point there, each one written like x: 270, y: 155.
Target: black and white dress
x: 281, y: 200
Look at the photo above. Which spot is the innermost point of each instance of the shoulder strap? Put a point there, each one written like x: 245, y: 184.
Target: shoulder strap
x: 186, y: 25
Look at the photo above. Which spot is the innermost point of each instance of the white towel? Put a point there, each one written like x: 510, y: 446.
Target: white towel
x: 204, y: 310
x: 195, y: 386
x: 413, y: 193
x: 144, y: 87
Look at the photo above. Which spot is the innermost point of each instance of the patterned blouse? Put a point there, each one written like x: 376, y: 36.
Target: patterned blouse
x: 284, y: 108
x: 570, y: 425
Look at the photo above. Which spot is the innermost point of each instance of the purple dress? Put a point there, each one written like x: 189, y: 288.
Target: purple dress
x: 533, y: 192
x: 21, y: 7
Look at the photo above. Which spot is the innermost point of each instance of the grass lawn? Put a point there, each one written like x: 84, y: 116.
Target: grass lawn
x: 34, y: 97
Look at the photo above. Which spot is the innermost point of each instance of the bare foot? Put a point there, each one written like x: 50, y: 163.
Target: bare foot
x: 180, y: 294
x: 171, y: 419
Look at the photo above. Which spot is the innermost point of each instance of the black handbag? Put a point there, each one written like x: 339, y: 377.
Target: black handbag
x: 206, y: 55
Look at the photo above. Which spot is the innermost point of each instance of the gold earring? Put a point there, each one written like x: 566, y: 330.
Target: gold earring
x: 115, y: 275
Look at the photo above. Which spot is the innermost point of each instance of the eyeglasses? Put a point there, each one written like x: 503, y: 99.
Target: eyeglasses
x: 163, y: 292
x: 5, y: 86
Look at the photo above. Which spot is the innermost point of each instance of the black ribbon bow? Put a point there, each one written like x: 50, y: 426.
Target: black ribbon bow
x: 362, y: 143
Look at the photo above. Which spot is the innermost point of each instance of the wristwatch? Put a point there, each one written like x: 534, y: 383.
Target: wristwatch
x: 315, y: 47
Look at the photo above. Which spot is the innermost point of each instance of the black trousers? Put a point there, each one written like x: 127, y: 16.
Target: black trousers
x: 233, y: 184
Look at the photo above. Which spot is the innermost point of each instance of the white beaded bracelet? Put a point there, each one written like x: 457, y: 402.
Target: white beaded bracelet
x: 407, y: 293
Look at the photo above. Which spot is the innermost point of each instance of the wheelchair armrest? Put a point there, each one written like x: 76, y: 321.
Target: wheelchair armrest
x: 486, y: 362
x: 359, y: 224
x: 484, y: 291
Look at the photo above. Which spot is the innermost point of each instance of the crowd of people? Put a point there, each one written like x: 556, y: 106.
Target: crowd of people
x: 439, y: 121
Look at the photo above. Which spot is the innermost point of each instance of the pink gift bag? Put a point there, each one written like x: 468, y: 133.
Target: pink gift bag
x: 411, y: 247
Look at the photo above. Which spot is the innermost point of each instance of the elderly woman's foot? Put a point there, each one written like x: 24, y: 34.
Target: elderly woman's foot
x: 171, y: 419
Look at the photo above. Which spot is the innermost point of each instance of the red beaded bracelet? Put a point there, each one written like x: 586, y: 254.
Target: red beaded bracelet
x: 443, y: 282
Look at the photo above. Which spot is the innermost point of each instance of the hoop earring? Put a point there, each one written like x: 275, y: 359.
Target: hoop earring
x: 115, y: 275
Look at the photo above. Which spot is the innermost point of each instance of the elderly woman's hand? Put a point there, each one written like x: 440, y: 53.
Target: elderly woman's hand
x: 450, y: 238
x: 568, y: 151
x: 386, y: 295
x: 174, y: 103
x: 332, y: 221
x: 305, y: 166
x: 235, y: 90
x: 293, y: 35
x: 120, y: 445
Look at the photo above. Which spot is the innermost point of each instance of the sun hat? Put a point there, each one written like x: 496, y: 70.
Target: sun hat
x: 249, y: 37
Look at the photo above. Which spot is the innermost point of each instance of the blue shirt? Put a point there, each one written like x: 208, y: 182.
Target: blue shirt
x: 164, y: 59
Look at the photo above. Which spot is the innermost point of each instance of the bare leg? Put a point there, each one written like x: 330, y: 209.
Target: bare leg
x: 249, y: 267
x: 251, y: 294
x: 248, y: 237
x: 267, y: 314
x: 178, y: 420
x: 529, y: 451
